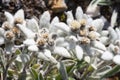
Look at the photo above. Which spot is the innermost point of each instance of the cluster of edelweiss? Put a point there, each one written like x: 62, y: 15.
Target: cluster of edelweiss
x: 80, y: 38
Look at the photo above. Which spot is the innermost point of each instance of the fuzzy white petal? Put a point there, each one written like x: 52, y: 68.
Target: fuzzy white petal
x: 104, y: 33
x: 29, y: 42
x: 63, y: 27
x: 2, y: 31
x: 62, y: 52
x: 117, y: 32
x: 2, y: 41
x: 93, y: 10
x: 116, y: 59
x: 9, y: 17
x: 114, y: 18
x: 33, y: 48
x: 87, y: 59
x: 112, y: 34
x: 72, y: 42
x: 104, y: 40
x: 98, y: 24
x: 49, y: 56
x: 52, y: 27
x: 69, y: 17
x: 28, y: 33
x: 45, y: 19
x: 79, y: 13
x: 55, y: 20
x: 41, y: 55
x: 107, y: 56
x: 98, y: 45
x: 79, y: 52
x: 33, y: 25
x: 19, y: 14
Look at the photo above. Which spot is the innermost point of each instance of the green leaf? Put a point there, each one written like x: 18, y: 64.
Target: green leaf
x: 17, y: 52
x: 93, y: 2
x: 18, y: 65
x: 115, y: 70
x: 105, y: 2
x: 34, y: 74
x: 41, y: 76
x: 70, y: 78
x: 62, y: 71
x: 70, y: 68
x: 36, y: 66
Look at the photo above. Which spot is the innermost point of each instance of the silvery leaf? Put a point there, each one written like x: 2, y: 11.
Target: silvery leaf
x: 114, y: 70
x: 34, y: 74
x: 32, y: 25
x: 9, y: 47
x: 79, y: 52
x: 23, y: 58
x: 45, y: 19
x: 79, y: 13
x: 104, y: 70
x: 62, y: 71
x: 104, y: 2
x: 62, y: 52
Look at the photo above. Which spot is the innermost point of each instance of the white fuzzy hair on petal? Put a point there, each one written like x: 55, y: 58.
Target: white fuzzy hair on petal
x: 32, y: 25
x: 107, y: 56
x: 29, y: 42
x: 70, y: 17
x: 2, y: 41
x: 19, y: 14
x: 54, y: 21
x: 116, y: 59
x: 62, y: 52
x: 79, y: 13
x: 45, y: 19
x: 64, y: 27
x: 41, y: 55
x: 98, y: 45
x: 79, y: 52
x: 28, y: 33
x: 98, y: 24
x: 33, y: 48
x: 9, y: 17
x: 49, y: 56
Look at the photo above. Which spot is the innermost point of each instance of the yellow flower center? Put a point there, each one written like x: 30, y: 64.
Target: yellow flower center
x: 75, y: 25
